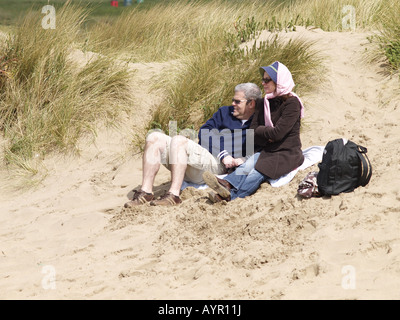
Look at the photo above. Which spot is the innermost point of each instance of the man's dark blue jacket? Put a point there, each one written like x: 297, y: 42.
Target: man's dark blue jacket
x: 224, y: 135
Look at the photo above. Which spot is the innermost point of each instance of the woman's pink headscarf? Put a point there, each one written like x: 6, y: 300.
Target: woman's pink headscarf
x: 284, y: 85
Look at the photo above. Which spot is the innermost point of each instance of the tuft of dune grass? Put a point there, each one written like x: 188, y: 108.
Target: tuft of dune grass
x: 388, y: 36
x: 47, y: 103
x: 169, y: 30
x: 208, y: 77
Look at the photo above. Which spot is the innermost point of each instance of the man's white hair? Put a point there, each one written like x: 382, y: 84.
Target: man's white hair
x: 251, y: 90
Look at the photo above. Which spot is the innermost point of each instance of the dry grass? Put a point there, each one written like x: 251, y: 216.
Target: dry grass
x: 46, y: 104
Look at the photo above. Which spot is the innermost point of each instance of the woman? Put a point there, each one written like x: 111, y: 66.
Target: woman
x: 276, y: 125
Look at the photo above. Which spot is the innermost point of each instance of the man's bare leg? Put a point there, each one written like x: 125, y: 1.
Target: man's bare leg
x: 178, y: 163
x: 156, y: 143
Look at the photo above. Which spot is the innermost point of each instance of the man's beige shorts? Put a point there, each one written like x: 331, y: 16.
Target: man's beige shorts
x: 199, y: 160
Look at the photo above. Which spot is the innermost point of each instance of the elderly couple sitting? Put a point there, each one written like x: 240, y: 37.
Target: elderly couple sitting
x: 254, y: 139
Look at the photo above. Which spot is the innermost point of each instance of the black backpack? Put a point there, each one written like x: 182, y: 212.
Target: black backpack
x: 344, y: 167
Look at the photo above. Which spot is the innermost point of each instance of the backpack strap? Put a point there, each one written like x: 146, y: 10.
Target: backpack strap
x: 366, y: 168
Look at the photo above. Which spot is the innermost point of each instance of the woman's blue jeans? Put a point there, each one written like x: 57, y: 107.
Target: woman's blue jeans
x: 245, y: 179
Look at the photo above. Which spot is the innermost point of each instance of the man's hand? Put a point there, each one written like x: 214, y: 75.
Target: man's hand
x: 239, y: 161
x: 231, y: 162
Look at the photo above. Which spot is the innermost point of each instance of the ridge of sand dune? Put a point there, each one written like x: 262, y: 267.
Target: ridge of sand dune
x: 271, y: 245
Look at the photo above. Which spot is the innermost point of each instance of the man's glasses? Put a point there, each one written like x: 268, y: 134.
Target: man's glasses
x: 236, y: 101
x: 266, y: 80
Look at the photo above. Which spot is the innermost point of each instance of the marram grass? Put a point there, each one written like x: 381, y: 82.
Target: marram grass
x: 206, y: 81
x: 48, y: 102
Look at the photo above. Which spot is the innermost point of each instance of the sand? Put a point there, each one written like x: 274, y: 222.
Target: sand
x: 70, y: 238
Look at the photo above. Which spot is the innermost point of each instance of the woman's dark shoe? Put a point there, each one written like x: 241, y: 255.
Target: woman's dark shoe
x: 215, y: 197
x: 220, y: 186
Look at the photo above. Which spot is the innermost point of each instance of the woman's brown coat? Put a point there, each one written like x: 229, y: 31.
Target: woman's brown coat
x: 280, y: 145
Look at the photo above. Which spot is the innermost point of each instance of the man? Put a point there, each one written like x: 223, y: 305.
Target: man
x: 222, y: 146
